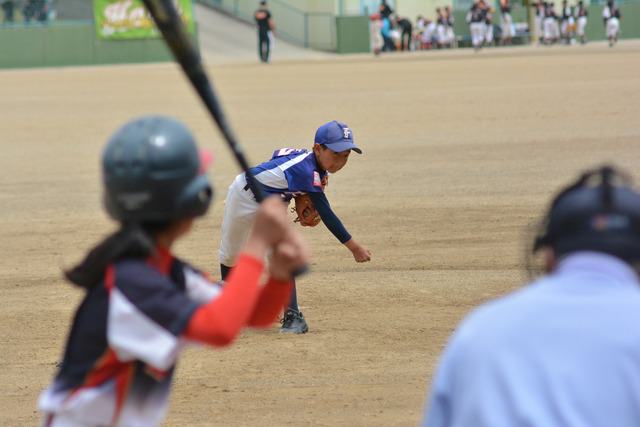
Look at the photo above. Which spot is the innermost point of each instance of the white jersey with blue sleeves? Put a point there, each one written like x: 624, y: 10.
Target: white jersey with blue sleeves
x: 290, y: 172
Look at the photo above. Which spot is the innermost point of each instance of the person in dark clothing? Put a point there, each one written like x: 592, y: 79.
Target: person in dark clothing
x: 265, y: 27
x: 385, y: 10
x: 7, y: 7
x: 406, y: 31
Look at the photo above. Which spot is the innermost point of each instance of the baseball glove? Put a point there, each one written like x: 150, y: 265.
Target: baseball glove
x: 307, y: 213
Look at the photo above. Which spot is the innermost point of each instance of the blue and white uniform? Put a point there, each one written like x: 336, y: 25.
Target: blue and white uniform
x: 290, y: 172
x: 562, y: 351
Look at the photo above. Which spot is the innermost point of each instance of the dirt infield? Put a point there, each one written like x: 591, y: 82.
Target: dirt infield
x: 462, y: 151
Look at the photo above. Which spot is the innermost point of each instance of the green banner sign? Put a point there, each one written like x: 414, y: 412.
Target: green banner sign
x: 130, y: 19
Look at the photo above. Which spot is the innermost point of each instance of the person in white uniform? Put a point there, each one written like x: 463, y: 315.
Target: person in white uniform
x: 581, y: 15
x: 562, y: 351
x: 475, y: 19
x: 612, y: 18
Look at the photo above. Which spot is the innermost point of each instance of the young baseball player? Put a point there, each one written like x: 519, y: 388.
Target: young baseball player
x: 506, y: 21
x: 377, y: 41
x: 450, y: 36
x: 441, y: 26
x: 581, y: 15
x: 475, y: 18
x: 567, y: 23
x: 612, y: 18
x: 550, y: 25
x: 143, y: 305
x: 289, y: 173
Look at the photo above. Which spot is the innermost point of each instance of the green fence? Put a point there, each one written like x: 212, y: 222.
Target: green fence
x: 63, y: 33
x: 68, y: 45
x: 352, y: 34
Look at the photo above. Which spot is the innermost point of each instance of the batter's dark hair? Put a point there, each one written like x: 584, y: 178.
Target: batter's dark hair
x: 132, y: 240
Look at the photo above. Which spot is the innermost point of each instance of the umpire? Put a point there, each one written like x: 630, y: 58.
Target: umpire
x: 564, y: 350
x: 266, y: 27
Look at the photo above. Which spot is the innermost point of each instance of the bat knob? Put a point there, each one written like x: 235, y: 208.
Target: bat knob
x: 302, y: 270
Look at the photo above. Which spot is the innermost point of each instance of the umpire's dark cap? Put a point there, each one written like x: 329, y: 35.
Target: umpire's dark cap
x: 602, y: 218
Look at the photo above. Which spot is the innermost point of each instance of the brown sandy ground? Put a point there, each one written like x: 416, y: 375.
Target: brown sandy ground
x: 462, y: 151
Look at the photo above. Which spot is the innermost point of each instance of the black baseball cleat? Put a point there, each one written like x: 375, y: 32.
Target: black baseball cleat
x: 294, y: 321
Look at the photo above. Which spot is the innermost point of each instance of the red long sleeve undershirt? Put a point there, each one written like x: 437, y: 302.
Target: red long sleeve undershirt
x: 243, y: 302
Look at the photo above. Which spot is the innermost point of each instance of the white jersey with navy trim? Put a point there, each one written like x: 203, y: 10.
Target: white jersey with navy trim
x: 290, y: 172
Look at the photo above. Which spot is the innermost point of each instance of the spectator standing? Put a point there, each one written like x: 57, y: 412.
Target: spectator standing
x: 418, y: 32
x: 488, y: 29
x: 41, y: 10
x: 581, y: 14
x: 449, y: 35
x: 475, y: 19
x: 562, y: 351
x: 385, y: 10
x: 550, y: 25
x: 388, y: 44
x: 34, y: 10
x: 488, y: 21
x: 376, y: 33
x: 266, y: 27
x: 406, y: 32
x: 28, y: 11
x: 538, y: 18
x: 441, y: 26
x: 567, y: 23
x: 7, y: 7
x: 429, y: 34
x: 506, y: 22
x: 612, y: 18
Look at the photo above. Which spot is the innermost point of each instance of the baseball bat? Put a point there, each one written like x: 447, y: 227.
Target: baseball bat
x: 177, y: 37
x: 175, y: 34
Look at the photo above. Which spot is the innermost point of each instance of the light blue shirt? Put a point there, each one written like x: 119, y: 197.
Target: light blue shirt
x: 562, y: 351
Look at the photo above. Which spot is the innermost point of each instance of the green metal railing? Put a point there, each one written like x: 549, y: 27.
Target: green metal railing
x: 309, y: 29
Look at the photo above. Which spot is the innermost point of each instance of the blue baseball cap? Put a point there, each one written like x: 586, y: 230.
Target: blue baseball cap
x: 337, y: 136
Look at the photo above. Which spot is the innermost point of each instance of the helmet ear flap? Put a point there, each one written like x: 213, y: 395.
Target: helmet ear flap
x: 195, y: 198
